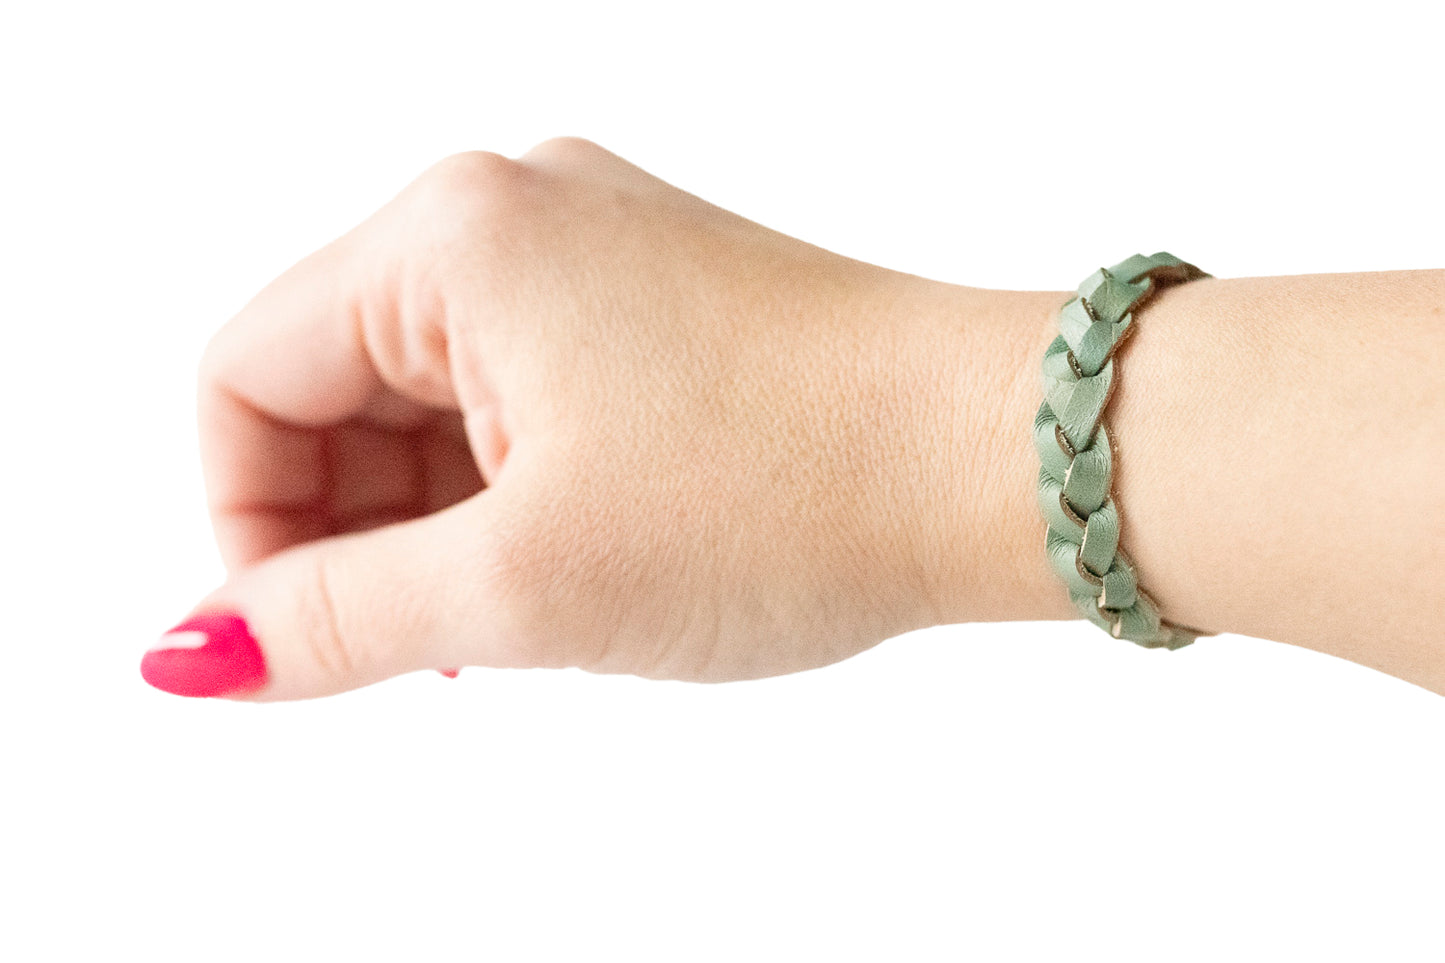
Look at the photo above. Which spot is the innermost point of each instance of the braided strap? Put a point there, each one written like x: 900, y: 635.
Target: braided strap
x: 1076, y: 472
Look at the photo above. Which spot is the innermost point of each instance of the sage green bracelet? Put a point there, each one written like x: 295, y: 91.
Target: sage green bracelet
x: 1076, y: 474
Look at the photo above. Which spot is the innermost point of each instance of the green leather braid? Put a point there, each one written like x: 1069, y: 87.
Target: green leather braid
x: 1076, y: 474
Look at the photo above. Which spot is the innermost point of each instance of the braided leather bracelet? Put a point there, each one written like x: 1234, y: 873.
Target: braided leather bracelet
x: 1076, y: 474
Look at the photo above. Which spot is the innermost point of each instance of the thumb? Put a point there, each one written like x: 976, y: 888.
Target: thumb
x: 338, y: 613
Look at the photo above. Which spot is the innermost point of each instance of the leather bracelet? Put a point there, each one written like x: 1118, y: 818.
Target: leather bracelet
x: 1075, y: 488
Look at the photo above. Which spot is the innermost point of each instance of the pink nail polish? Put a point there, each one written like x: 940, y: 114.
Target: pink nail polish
x: 450, y: 673
x: 209, y: 654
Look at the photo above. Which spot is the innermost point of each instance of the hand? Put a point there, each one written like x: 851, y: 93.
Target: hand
x: 553, y: 411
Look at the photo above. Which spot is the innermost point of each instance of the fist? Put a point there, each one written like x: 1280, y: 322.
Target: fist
x: 552, y: 411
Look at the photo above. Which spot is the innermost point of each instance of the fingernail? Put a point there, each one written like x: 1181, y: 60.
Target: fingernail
x: 450, y: 673
x: 210, y: 654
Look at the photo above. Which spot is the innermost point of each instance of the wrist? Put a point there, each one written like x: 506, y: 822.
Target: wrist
x: 1268, y: 457
x: 973, y: 357
x: 989, y: 548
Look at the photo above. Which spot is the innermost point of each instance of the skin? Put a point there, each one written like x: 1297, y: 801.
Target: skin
x: 553, y: 411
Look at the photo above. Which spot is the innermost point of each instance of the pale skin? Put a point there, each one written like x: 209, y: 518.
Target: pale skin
x: 552, y: 411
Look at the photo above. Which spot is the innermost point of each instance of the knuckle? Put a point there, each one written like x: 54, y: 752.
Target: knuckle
x: 473, y: 189
x: 334, y: 654
x: 209, y: 366
x: 218, y: 355
x: 524, y: 592
x: 565, y: 149
x: 470, y: 172
x: 545, y: 614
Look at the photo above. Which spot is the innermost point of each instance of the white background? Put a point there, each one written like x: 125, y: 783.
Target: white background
x: 991, y: 792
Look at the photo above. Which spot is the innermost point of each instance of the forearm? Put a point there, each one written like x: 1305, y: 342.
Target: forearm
x: 1280, y: 447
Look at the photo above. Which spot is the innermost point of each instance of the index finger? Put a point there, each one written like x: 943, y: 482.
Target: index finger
x: 312, y: 372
